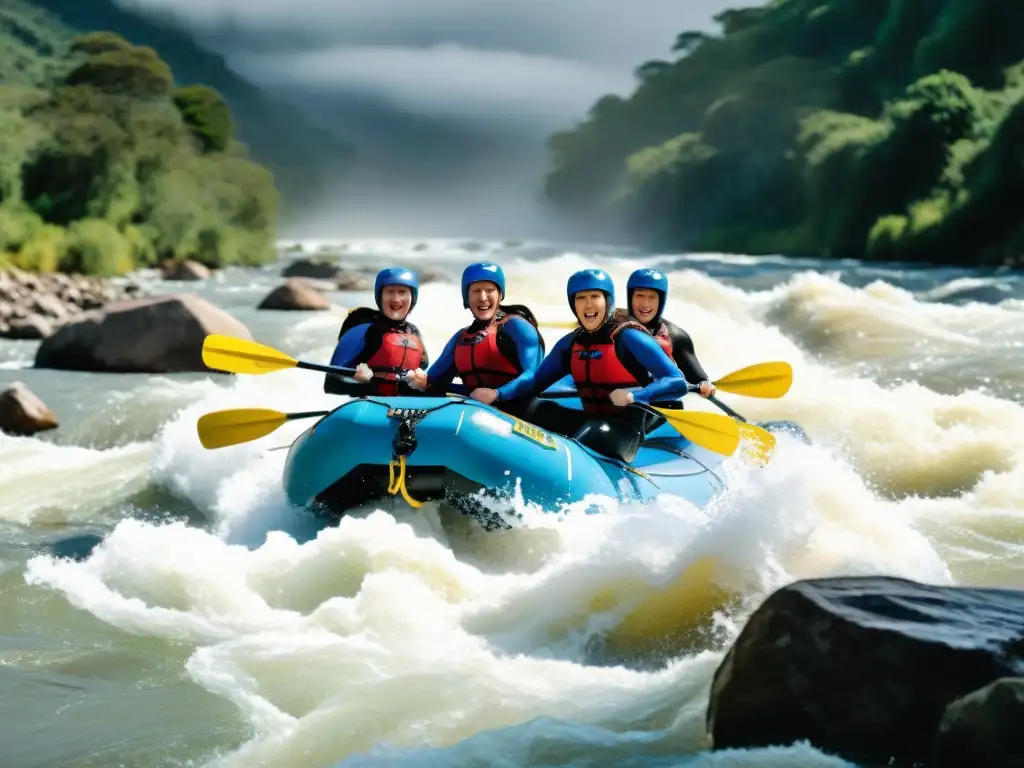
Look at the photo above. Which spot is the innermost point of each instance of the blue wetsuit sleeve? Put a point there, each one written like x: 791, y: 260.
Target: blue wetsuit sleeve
x: 554, y: 367
x: 441, y: 373
x: 668, y: 383
x: 350, y: 346
x: 527, y: 341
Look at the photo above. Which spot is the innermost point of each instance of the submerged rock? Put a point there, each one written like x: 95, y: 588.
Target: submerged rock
x: 983, y: 729
x: 350, y: 280
x: 862, y: 667
x: 324, y: 269
x: 163, y: 334
x: 22, y: 413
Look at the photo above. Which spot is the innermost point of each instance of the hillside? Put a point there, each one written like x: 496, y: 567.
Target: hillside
x: 302, y: 157
x: 844, y: 128
x: 106, y: 164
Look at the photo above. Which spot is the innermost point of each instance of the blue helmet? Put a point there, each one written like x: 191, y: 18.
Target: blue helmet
x: 591, y: 280
x: 481, y: 270
x: 655, y: 280
x: 396, y: 276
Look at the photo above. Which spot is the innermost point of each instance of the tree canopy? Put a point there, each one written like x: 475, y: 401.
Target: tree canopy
x: 845, y: 128
x: 105, y: 166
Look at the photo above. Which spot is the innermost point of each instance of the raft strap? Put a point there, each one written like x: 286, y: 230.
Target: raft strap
x: 403, y: 444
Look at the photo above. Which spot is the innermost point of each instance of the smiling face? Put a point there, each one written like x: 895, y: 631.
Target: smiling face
x: 644, y: 305
x: 395, y: 301
x: 484, y: 298
x: 591, y: 309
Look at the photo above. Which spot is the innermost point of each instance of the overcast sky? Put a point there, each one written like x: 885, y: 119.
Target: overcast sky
x: 549, y: 58
x: 516, y: 69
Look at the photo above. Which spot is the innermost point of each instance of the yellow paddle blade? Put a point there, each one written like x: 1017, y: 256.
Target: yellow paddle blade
x: 559, y: 324
x: 668, y: 618
x: 762, y: 380
x: 761, y: 442
x: 713, y: 431
x: 226, y: 353
x: 240, y: 425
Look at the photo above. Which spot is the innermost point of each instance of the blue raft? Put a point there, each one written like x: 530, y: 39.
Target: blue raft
x: 451, y: 449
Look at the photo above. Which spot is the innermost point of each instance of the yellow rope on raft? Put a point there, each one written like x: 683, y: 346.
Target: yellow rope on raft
x: 396, y: 483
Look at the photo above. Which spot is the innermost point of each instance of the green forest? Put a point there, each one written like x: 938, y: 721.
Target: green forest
x: 106, y: 165
x: 880, y: 129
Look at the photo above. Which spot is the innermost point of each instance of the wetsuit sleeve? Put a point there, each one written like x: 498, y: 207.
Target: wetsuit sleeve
x: 554, y: 367
x: 527, y: 341
x: 668, y: 383
x: 350, y: 345
x: 685, y: 355
x: 350, y: 351
x: 441, y: 373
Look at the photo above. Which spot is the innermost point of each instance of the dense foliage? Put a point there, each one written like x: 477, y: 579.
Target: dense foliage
x: 106, y: 165
x: 845, y: 128
x: 306, y: 160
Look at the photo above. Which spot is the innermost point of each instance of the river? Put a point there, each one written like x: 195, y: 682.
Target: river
x: 192, y: 637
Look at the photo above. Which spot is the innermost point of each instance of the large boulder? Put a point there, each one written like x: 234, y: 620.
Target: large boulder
x: 295, y: 294
x: 161, y: 334
x: 22, y: 413
x: 862, y: 667
x: 983, y: 729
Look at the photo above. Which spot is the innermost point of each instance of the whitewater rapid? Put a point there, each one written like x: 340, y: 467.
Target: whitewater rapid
x: 409, y: 638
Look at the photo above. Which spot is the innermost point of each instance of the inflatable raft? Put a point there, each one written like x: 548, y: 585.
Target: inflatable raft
x: 469, y: 455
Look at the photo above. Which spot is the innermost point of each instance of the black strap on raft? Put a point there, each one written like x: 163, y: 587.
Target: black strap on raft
x: 403, y: 444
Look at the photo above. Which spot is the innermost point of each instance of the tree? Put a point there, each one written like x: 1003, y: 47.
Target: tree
x: 688, y: 42
x: 135, y: 72
x: 207, y: 116
x: 93, y: 43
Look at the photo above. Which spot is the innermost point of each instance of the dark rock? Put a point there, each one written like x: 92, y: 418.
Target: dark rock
x: 323, y: 269
x: 22, y: 413
x: 295, y: 294
x: 983, y: 729
x: 28, y: 328
x: 185, y: 270
x: 862, y: 667
x: 433, y: 275
x: 352, y: 281
x: 149, y: 335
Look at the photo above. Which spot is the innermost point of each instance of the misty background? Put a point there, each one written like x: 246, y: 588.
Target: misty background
x: 448, y: 103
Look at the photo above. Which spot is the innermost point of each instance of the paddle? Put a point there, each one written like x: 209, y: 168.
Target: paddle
x: 233, y: 355
x: 719, y: 434
x: 763, y: 380
x: 226, y: 353
x: 242, y: 425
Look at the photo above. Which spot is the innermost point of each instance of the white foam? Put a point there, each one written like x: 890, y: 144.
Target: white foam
x: 405, y: 629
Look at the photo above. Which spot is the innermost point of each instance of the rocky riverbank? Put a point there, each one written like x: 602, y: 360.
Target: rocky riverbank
x: 33, y: 306
x: 879, y: 671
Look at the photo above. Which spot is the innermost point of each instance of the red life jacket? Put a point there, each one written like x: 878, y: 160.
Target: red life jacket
x: 661, y: 335
x: 401, y: 349
x: 597, y: 370
x: 664, y: 340
x: 478, y: 359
